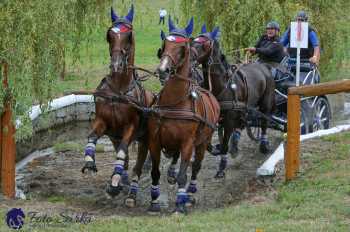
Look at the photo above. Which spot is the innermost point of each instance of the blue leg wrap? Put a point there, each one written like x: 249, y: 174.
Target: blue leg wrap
x: 125, y: 177
x: 90, y: 151
x: 223, y: 163
x: 192, y: 187
x: 119, y: 169
x: 155, y: 192
x: 171, y: 171
x: 236, y: 135
x: 181, y: 197
x: 264, y: 140
x: 134, y: 187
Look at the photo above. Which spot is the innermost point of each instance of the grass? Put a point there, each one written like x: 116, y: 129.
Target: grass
x: 318, y: 200
x: 94, y: 56
x: 72, y: 146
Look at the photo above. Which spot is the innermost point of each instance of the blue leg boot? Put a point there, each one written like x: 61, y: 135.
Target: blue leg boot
x: 222, y: 167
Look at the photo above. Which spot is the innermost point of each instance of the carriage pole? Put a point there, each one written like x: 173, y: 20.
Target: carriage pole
x: 7, y: 144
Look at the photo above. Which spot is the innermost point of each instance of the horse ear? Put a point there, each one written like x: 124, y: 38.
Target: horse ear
x: 204, y: 29
x: 130, y: 15
x: 171, y: 25
x: 114, y: 16
x: 162, y: 35
x: 215, y: 33
x: 189, y: 28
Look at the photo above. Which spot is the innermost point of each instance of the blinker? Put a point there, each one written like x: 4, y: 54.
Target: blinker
x: 194, y: 94
x: 233, y: 86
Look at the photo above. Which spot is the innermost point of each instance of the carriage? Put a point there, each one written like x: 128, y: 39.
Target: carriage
x: 315, y: 111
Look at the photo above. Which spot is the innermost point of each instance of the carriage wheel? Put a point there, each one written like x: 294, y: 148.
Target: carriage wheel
x: 321, y: 114
x: 304, y: 122
x: 254, y: 132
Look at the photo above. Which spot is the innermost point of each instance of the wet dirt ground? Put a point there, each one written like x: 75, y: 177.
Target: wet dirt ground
x: 58, y: 178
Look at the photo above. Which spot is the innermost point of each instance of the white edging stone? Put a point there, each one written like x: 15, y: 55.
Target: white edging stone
x: 268, y: 167
x: 58, y: 103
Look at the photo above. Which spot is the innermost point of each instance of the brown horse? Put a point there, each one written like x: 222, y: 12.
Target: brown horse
x: 183, y: 119
x: 236, y: 89
x: 118, y: 99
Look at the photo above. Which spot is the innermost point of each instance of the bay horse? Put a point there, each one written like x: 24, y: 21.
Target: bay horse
x: 237, y: 88
x: 118, y: 99
x: 183, y: 119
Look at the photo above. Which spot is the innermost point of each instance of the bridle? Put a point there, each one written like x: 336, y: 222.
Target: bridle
x: 175, y: 65
x: 124, y: 53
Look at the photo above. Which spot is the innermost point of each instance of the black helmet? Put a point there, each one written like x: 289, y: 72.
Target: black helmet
x: 273, y: 25
x: 302, y: 16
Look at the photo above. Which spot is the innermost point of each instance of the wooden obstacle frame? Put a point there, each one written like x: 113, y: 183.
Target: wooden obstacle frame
x: 292, y: 157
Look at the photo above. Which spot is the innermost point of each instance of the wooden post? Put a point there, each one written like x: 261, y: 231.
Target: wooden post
x: 0, y: 127
x: 8, y: 145
x: 293, y: 137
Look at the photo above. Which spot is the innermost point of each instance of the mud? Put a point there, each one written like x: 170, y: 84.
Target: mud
x: 58, y: 176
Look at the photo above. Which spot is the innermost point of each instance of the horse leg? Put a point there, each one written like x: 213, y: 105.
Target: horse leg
x: 223, y: 156
x: 121, y: 163
x: 155, y: 174
x: 98, y: 130
x: 182, y: 195
x: 171, y: 169
x: 196, y: 166
x: 217, y: 148
x: 264, y: 146
x: 266, y: 106
x: 136, y: 173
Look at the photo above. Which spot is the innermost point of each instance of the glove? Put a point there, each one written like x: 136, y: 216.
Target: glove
x: 314, y: 60
x: 251, y: 50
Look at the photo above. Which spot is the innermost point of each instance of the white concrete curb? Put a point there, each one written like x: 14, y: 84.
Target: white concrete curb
x: 268, y: 167
x: 57, y: 104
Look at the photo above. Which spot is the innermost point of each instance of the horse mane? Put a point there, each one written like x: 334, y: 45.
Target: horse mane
x: 217, y: 52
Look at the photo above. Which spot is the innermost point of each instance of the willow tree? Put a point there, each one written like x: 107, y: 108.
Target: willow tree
x: 35, y: 36
x: 242, y: 22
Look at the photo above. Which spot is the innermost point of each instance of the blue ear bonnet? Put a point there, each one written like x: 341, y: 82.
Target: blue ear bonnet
x: 214, y: 35
x: 186, y: 32
x: 127, y: 19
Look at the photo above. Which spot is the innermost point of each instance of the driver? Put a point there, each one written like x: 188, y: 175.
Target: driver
x: 268, y: 48
x: 312, y: 53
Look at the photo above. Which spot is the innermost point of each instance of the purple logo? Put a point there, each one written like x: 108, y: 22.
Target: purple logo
x: 15, y: 218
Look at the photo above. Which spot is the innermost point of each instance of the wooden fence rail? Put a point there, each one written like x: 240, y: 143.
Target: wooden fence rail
x: 293, y: 112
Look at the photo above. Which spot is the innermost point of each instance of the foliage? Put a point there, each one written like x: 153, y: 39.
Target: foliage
x: 242, y: 22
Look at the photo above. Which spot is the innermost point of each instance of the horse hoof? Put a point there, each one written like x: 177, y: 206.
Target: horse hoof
x: 264, y: 148
x: 220, y: 175
x: 113, y: 191
x: 154, y: 209
x: 130, y: 202
x: 171, y: 180
x: 191, y: 201
x: 233, y: 151
x: 180, y: 209
x: 89, y: 167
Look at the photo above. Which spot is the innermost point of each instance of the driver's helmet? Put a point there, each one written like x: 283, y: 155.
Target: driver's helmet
x: 302, y: 16
x: 273, y: 25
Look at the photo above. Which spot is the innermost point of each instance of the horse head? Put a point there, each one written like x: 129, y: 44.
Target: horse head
x: 204, y: 44
x: 175, y: 50
x: 120, y: 38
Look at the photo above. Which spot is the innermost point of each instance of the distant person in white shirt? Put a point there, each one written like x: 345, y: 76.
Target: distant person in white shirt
x: 162, y: 14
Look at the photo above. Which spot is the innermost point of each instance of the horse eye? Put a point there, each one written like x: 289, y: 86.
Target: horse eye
x: 159, y: 53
